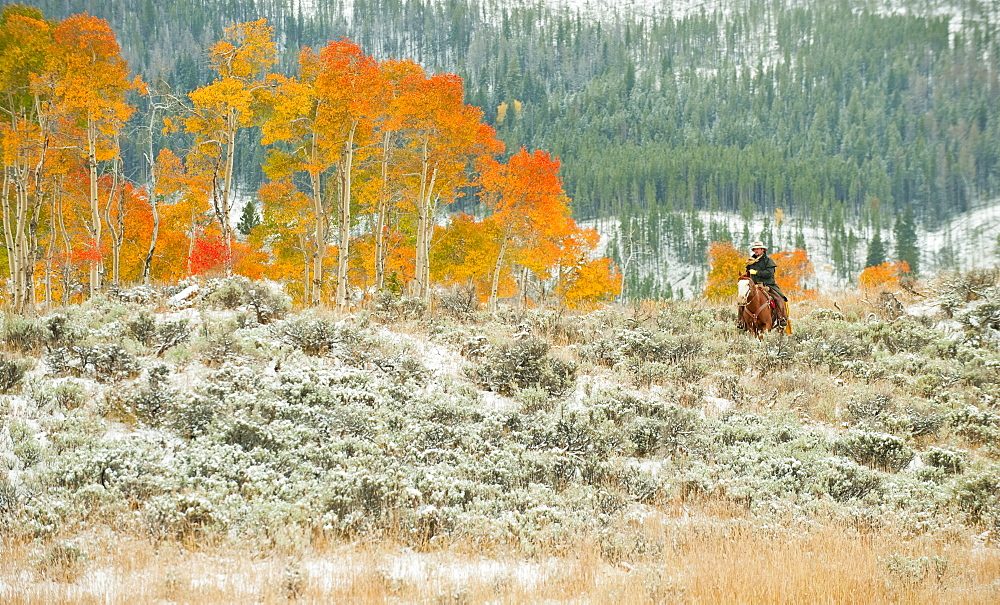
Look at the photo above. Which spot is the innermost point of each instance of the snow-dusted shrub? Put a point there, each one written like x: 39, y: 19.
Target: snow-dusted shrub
x: 774, y: 356
x: 845, y: 480
x: 390, y: 308
x: 151, y: 401
x: 170, y: 334
x: 979, y: 494
x: 107, y: 362
x: 509, y: 367
x: 534, y: 399
x: 948, y: 460
x: 619, y: 405
x: 63, y: 561
x: 639, y: 484
x: 111, y: 362
x: 459, y: 301
x: 158, y: 335
x: 267, y: 303
x: 142, y: 327
x: 904, y: 334
x: 869, y: 407
x: 976, y: 425
x: 877, y: 450
x: 180, y: 516
x: 917, y: 420
x: 143, y: 295
x: 911, y: 571
x: 22, y: 334
x: 959, y: 289
x: 663, y: 429
x: 264, y: 299
x: 25, y: 446
x: 10, y: 504
x: 818, y: 348
x: 12, y: 372
x: 739, y: 427
x: 643, y: 345
x: 249, y: 434
x: 982, y: 323
x: 321, y: 336
x: 190, y: 414
x: 59, y: 330
x: 824, y: 315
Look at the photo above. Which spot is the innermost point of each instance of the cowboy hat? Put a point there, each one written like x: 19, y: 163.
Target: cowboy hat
x: 757, y: 244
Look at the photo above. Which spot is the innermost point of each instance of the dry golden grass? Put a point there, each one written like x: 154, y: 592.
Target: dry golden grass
x: 704, y: 553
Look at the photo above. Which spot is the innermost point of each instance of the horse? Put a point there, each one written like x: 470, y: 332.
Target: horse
x: 754, y: 312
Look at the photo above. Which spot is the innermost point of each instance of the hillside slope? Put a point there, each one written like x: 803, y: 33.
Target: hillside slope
x: 214, y: 418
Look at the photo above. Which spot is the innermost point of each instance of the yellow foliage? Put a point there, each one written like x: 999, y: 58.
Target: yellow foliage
x: 726, y: 265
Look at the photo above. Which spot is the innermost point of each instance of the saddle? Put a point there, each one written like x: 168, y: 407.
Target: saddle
x: 779, y: 306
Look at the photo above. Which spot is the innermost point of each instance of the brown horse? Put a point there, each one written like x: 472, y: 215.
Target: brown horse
x: 754, y: 312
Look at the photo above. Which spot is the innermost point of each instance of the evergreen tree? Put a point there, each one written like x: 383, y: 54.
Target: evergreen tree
x: 905, y: 232
x: 876, y: 251
x: 249, y: 219
x: 800, y: 239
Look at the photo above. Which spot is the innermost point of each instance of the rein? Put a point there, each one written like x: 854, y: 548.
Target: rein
x: 755, y: 314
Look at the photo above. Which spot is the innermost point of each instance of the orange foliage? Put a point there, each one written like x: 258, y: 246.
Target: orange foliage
x: 793, y: 269
x: 884, y: 276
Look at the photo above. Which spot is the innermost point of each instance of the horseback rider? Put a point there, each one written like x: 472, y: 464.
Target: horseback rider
x: 761, y: 268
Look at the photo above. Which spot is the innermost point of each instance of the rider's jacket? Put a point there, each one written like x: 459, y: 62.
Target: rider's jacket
x: 764, y: 266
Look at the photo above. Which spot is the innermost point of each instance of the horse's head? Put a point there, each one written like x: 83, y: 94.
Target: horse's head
x: 744, y: 290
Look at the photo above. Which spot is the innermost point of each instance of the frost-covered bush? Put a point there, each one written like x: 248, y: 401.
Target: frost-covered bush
x: 26, y: 447
x: 321, y: 336
x: 877, y: 450
x: 845, y: 480
x: 143, y: 295
x: 651, y: 435
x: 979, y: 494
x: 982, y: 325
x: 649, y: 357
x: 459, y: 301
x: 151, y: 401
x: 63, y: 561
x: 110, y: 362
x: 22, y: 334
x: 959, y: 289
x: 160, y: 336
x: 180, y: 516
x: 60, y: 330
x: 264, y: 299
x: 107, y: 362
x: 143, y: 327
x: 509, y: 367
x: 190, y: 415
x: 904, y: 334
x: 12, y: 372
x: 831, y: 346
x: 947, y: 460
x: 868, y: 407
x: 10, y: 504
x: 976, y: 425
x: 390, y: 307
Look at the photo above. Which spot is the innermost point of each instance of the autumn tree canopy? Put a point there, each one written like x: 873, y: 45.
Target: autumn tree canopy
x: 364, y: 157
